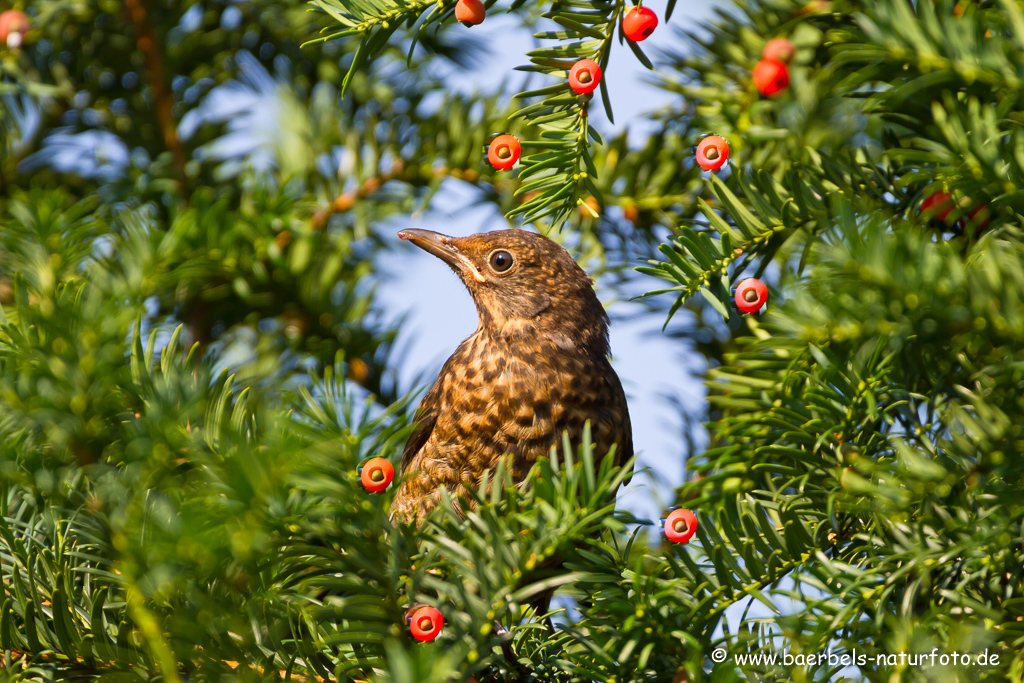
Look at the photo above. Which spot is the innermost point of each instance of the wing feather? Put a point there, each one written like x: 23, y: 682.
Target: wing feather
x: 429, y: 409
x: 426, y: 418
x: 625, y: 450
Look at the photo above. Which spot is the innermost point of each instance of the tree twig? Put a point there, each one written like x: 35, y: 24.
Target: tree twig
x: 398, y: 171
x: 162, y: 101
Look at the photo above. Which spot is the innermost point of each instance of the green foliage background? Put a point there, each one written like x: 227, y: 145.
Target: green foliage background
x: 163, y: 519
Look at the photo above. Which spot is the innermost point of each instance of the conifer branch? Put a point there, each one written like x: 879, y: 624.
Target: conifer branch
x: 375, y: 21
x: 561, y: 170
x: 398, y: 171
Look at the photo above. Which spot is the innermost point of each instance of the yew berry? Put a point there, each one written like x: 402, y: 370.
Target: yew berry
x: 938, y: 205
x: 751, y: 295
x: 771, y: 77
x: 778, y: 49
x: 13, y: 27
x: 638, y: 23
x: 712, y: 153
x: 470, y: 12
x: 504, y: 152
x: 680, y: 525
x: 631, y: 213
x: 585, y: 76
x: 425, y: 624
x: 377, y: 474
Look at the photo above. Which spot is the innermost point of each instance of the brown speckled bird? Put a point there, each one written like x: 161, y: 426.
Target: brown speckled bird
x: 536, y: 366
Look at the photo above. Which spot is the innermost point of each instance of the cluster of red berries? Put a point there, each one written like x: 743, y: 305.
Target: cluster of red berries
x: 680, y: 525
x: 940, y: 205
x: 638, y: 23
x: 13, y: 27
x: 771, y: 75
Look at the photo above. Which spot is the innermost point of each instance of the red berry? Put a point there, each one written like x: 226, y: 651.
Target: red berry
x: 938, y: 205
x: 425, y: 624
x: 638, y: 23
x: 585, y: 76
x: 504, y: 152
x: 377, y: 474
x: 470, y: 12
x: 751, y: 295
x: 771, y: 77
x: 778, y: 49
x: 680, y: 526
x: 712, y: 153
x: 13, y: 27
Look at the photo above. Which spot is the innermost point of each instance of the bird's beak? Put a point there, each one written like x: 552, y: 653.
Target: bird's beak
x: 444, y: 248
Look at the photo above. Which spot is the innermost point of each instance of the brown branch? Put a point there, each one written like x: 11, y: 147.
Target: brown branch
x: 345, y: 201
x: 162, y: 100
x: 398, y: 171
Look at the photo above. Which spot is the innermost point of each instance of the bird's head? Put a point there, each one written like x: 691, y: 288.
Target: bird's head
x: 523, y: 284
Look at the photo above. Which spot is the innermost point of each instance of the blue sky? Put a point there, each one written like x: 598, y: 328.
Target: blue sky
x: 440, y: 313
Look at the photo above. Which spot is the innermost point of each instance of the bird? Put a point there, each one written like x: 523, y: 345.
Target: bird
x: 536, y: 367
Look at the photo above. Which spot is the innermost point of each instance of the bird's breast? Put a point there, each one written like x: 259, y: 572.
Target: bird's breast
x: 515, y: 402
x: 495, y: 399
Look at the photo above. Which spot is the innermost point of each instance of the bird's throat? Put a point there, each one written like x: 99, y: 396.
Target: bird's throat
x: 540, y: 333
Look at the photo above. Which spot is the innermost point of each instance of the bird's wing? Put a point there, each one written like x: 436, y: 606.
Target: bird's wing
x: 426, y: 418
x: 429, y: 409
x: 625, y: 450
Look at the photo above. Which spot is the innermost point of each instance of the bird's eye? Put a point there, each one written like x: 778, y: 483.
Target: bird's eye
x: 501, y: 261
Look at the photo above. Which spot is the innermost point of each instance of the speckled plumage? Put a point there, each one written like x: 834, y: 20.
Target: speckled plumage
x: 536, y: 366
